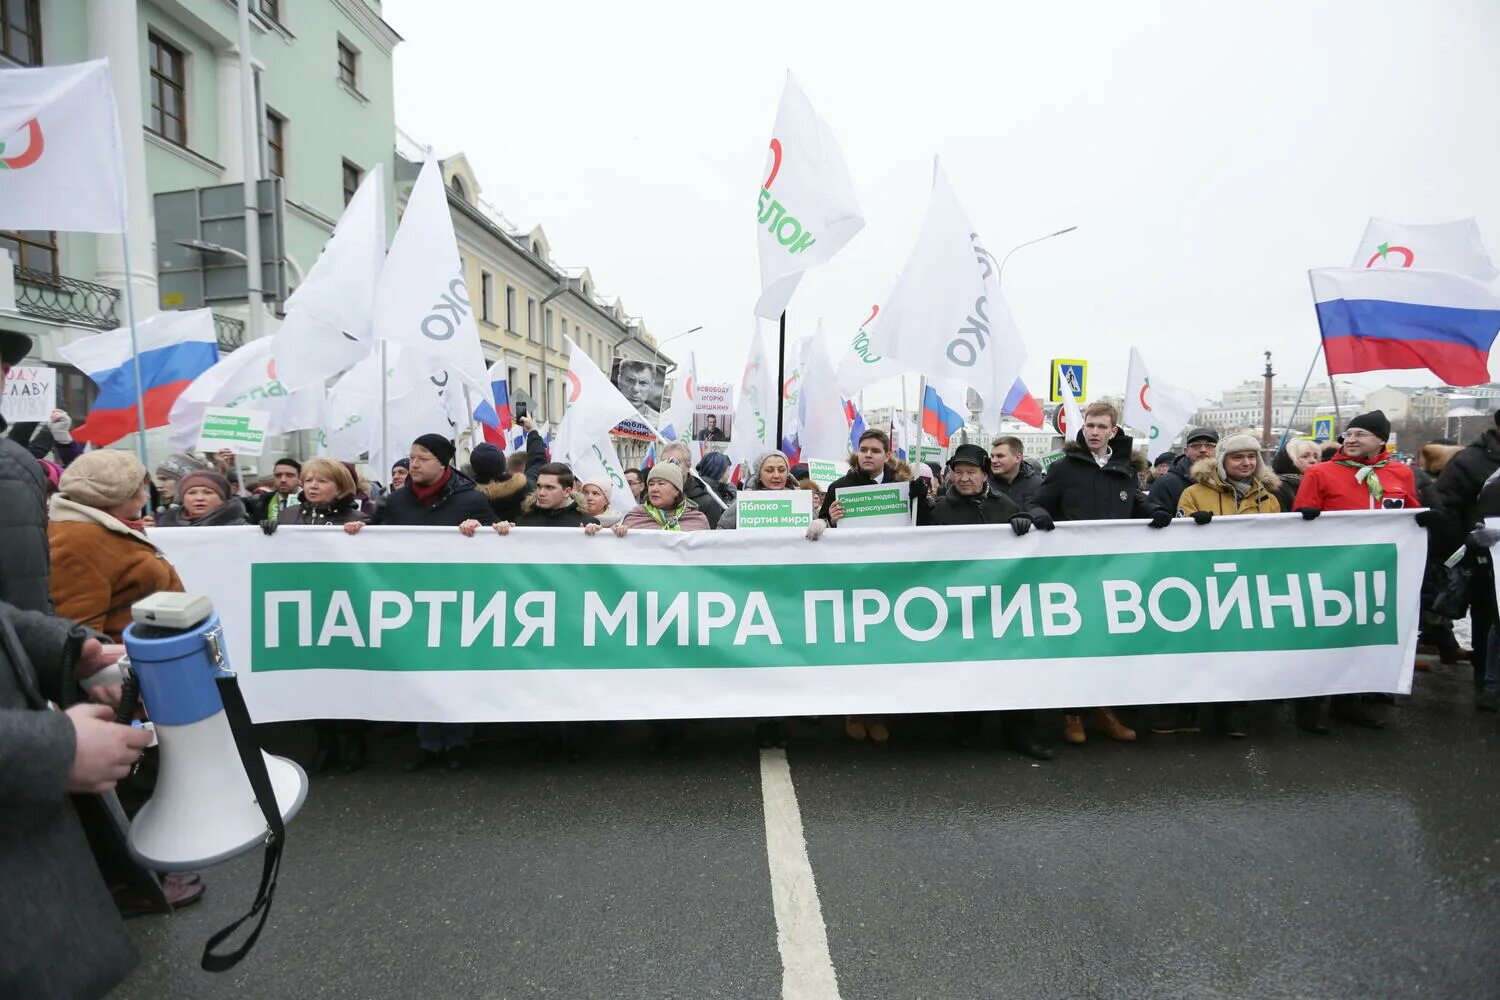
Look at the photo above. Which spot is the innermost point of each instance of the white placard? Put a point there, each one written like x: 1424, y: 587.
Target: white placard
x: 30, y: 394
x: 240, y: 429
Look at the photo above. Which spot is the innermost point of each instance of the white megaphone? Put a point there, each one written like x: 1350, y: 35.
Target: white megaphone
x: 204, y: 809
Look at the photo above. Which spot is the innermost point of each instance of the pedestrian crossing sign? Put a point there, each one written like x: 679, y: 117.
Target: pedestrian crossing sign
x: 1077, y: 374
x: 1322, y: 429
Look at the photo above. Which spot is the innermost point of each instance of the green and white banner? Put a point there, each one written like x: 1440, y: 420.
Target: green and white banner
x: 423, y: 624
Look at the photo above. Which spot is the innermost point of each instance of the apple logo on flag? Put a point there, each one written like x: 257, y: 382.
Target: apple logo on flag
x: 31, y: 149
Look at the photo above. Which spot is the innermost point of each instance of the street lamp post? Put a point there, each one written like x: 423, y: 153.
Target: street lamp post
x: 655, y: 348
x: 1000, y: 269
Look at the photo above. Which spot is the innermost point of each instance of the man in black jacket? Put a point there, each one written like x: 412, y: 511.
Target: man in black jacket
x: 969, y: 499
x: 553, y: 504
x: 435, y: 494
x: 1010, y: 472
x: 1202, y: 442
x: 506, y: 490
x: 1094, y: 481
x: 1456, y: 512
x: 23, y: 506
x: 870, y: 466
x: 287, y: 474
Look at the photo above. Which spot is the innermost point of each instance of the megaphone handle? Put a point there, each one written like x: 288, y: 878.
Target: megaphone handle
x: 265, y: 796
x: 130, y: 697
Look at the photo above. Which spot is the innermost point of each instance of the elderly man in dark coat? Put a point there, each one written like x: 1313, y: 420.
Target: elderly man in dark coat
x: 23, y: 506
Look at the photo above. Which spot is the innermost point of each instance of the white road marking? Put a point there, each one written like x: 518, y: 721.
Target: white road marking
x: 801, y: 936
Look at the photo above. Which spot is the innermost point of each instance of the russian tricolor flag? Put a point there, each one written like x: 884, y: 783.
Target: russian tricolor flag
x: 939, y: 419
x: 1378, y: 318
x: 175, y: 348
x: 495, y: 420
x: 1022, y: 405
x: 856, y: 423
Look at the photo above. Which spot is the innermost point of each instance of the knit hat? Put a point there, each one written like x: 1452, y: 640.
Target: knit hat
x: 667, y: 471
x: 102, y: 478
x: 1239, y: 442
x: 603, y: 482
x: 178, y: 465
x: 54, y: 472
x: 14, y: 346
x: 1202, y: 434
x: 1165, y: 458
x: 401, y: 463
x: 488, y: 463
x: 442, y: 449
x: 1375, y: 422
x: 202, y: 477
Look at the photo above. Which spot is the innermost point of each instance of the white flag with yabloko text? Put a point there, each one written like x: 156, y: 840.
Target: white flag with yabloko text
x: 422, y: 300
x: 62, y: 165
x: 1442, y: 246
x: 945, y: 318
x: 594, y: 405
x: 413, y: 408
x: 598, y: 459
x: 329, y: 318
x: 248, y: 377
x: 807, y: 209
x: 822, y: 427
x: 1157, y: 410
x: 754, y: 429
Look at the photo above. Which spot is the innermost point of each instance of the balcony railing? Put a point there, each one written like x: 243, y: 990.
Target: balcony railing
x: 230, y: 331
x: 68, y: 300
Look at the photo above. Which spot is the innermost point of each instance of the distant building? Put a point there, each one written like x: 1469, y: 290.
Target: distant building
x: 1243, y: 407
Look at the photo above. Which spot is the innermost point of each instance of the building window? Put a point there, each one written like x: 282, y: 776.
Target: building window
x: 457, y: 184
x: 551, y: 398
x: 550, y: 341
x: 510, y: 310
x: 352, y: 176
x: 271, y: 10
x: 275, y: 144
x: 348, y: 65
x: 511, y: 377
x: 32, y: 249
x: 487, y: 297
x: 168, y: 91
x: 76, y: 392
x: 565, y: 329
x: 21, y: 31
x: 531, y: 386
x: 531, y: 330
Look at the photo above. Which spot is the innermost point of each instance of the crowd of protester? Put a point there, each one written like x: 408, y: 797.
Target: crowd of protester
x: 77, y: 526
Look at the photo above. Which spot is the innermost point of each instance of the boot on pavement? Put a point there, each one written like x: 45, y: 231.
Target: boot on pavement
x: 1073, y: 729
x: 1110, y: 725
x: 1310, y: 716
x: 1347, y: 708
x: 854, y: 728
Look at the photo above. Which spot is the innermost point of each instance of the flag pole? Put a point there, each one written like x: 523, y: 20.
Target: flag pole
x: 135, y: 350
x: 1287, y: 430
x: 921, y: 449
x: 780, y: 378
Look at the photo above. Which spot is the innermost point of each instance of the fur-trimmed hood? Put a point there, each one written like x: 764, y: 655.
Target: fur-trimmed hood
x: 1210, y: 472
x: 502, y: 489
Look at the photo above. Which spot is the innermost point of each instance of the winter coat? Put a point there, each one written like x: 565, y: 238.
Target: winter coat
x: 1286, y: 471
x: 856, y: 476
x: 1023, y: 488
x: 1168, y: 487
x: 458, y: 502
x: 986, y: 507
x: 730, y: 519
x: 24, y: 564
x: 101, y: 566
x: 1331, y: 486
x: 232, y: 512
x: 505, y: 496
x: 339, y: 512
x: 1077, y: 488
x: 1211, y: 493
x: 567, y: 516
x: 1458, y: 487
x: 689, y: 518
x: 711, y: 504
x: 63, y: 936
x: 269, y: 507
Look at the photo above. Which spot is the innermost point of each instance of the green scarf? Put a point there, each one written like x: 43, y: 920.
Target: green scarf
x: 1366, y: 474
x: 668, y: 522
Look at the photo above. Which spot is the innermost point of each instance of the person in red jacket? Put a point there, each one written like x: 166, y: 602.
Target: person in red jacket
x: 1360, y: 476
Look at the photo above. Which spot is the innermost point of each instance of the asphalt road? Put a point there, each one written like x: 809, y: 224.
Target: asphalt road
x: 1284, y: 865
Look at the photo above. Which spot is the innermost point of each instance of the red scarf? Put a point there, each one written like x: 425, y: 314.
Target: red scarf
x: 427, y: 496
x: 136, y: 524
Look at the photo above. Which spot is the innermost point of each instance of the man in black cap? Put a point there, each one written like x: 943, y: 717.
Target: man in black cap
x: 23, y: 505
x: 435, y: 494
x: 1161, y: 466
x: 969, y: 499
x: 1202, y: 442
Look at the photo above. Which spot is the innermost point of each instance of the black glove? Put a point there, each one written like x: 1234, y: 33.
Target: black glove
x: 1426, y: 518
x: 269, y: 527
x: 1202, y: 516
x: 1020, y: 524
x: 1161, y: 519
x: 918, y: 488
x: 1308, y: 513
x: 1042, y: 521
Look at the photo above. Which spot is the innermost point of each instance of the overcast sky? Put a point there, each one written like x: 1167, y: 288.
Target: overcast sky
x: 1208, y: 153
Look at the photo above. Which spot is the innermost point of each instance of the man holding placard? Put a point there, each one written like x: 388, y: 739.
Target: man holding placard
x: 872, y: 496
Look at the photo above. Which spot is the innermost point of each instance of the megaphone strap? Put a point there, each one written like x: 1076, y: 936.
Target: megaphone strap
x: 265, y: 796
